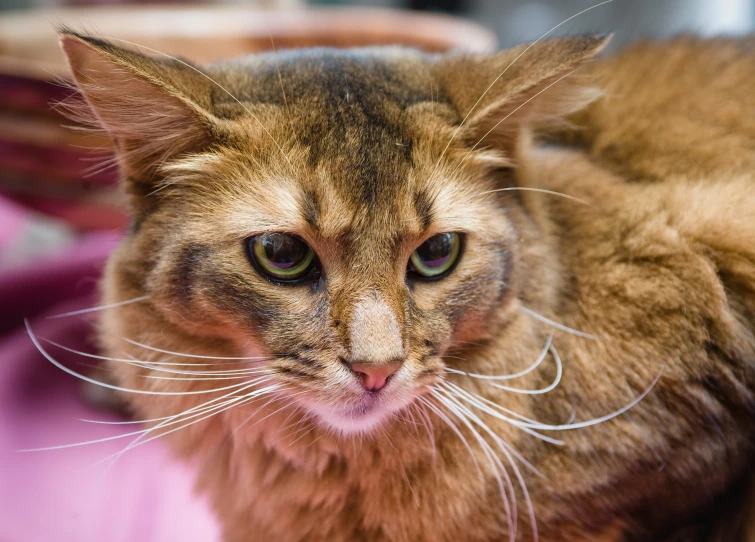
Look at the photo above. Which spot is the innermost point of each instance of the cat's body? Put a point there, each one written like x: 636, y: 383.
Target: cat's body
x: 656, y: 261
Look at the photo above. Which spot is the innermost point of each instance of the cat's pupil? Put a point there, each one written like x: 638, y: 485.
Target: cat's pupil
x: 435, y: 251
x: 282, y: 250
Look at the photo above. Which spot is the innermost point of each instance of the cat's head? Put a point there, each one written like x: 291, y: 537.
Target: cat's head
x: 334, y: 211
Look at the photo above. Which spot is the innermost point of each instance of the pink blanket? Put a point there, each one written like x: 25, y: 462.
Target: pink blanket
x: 62, y: 495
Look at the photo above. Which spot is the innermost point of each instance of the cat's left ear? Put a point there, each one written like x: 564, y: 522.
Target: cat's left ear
x: 529, y: 86
x: 153, y: 109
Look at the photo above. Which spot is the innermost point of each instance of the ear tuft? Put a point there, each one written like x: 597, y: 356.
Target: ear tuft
x: 534, y: 86
x: 153, y: 110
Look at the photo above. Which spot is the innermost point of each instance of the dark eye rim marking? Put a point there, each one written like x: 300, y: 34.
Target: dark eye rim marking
x: 311, y: 275
x: 415, y: 276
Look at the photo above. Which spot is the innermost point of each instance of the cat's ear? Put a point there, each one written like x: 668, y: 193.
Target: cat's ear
x: 528, y: 86
x: 153, y: 109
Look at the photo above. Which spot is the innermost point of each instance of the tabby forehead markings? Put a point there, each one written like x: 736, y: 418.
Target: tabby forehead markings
x: 423, y: 206
x: 355, y: 137
x: 310, y: 208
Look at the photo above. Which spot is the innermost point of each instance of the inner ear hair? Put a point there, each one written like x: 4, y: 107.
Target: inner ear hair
x: 153, y: 109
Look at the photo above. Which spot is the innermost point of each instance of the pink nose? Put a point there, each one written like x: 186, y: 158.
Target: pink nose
x: 375, y: 377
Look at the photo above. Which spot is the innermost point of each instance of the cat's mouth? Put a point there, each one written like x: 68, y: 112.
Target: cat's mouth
x: 362, y: 413
x: 361, y: 417
x: 357, y: 398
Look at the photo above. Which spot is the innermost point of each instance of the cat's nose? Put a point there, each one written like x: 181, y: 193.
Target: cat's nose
x: 375, y: 376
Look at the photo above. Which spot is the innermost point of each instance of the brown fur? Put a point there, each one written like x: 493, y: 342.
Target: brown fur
x: 364, y: 155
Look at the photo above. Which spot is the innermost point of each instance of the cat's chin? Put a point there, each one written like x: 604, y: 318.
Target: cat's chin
x: 361, y: 419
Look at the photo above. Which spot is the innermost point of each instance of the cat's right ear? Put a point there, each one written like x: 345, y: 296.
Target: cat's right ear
x: 153, y: 109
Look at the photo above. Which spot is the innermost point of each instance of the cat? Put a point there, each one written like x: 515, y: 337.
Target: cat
x: 378, y: 294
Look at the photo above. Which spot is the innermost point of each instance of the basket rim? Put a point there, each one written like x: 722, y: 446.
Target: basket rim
x: 430, y: 31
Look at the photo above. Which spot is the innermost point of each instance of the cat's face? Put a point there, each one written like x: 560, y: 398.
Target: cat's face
x: 307, y: 253
x: 321, y: 210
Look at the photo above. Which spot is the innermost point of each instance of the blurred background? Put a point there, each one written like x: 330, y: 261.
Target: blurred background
x: 518, y: 20
x: 515, y: 21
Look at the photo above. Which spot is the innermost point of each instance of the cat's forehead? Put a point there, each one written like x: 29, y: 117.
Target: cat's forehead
x: 353, y: 121
x: 349, y: 110
x: 340, y: 200
x: 330, y: 77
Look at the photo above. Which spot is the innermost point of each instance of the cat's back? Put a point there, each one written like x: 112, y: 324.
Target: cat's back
x: 684, y: 107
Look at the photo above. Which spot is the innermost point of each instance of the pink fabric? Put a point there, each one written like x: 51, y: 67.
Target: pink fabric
x: 59, y: 495
x: 13, y: 222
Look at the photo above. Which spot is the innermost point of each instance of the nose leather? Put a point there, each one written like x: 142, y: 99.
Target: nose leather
x: 375, y: 377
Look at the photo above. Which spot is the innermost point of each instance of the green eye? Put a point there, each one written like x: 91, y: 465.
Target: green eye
x: 436, y: 256
x: 281, y: 256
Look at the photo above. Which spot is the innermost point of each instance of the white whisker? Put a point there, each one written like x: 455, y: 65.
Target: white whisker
x: 498, y: 469
x: 412, y: 420
x: 100, y: 308
x: 206, y: 405
x: 210, y: 374
x: 276, y: 397
x: 307, y: 429
x: 137, y: 422
x: 115, y: 437
x: 85, y: 443
x: 507, y: 451
x: 552, y: 386
x: 183, y: 355
x: 204, y: 379
x: 555, y: 324
x: 219, y: 373
x: 526, y: 371
x: 422, y: 412
x: 276, y: 411
x: 455, y: 429
x: 532, y: 424
x: 460, y: 394
x: 525, y: 425
x: 540, y: 190
x: 213, y: 412
x: 111, y: 386
x: 133, y: 360
x: 288, y: 418
x: 607, y: 417
x: 154, y: 366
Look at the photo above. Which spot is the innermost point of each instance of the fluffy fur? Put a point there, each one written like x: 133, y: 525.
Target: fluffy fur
x: 367, y: 153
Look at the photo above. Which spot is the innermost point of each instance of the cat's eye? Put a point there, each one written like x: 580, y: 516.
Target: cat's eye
x: 436, y: 257
x: 281, y: 256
